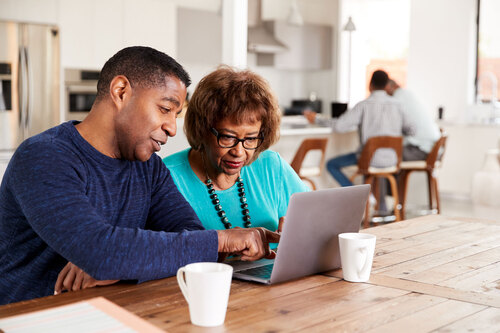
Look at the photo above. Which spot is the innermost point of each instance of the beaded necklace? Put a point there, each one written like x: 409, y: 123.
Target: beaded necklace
x: 218, y: 206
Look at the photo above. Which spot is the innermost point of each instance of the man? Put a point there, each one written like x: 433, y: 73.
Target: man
x: 378, y: 115
x: 94, y: 199
x: 418, y: 146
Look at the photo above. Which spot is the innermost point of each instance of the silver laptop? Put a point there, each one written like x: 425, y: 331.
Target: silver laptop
x: 309, y: 241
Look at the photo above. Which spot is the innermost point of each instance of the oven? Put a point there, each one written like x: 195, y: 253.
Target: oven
x: 80, y: 92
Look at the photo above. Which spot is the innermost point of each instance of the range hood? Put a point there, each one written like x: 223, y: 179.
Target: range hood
x: 260, y: 39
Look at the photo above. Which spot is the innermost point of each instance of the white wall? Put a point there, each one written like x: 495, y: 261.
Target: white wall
x: 441, y: 62
x: 441, y: 70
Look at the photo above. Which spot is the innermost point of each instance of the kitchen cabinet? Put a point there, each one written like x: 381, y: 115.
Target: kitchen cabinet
x: 309, y: 47
x: 92, y: 31
x: 33, y: 11
x: 150, y: 23
x: 199, y: 37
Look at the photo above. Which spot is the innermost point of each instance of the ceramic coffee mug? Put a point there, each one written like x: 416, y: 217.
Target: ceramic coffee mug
x: 206, y: 285
x: 356, y: 255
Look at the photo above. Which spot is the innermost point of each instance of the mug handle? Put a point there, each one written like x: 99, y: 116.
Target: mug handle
x: 364, y: 252
x: 182, y: 282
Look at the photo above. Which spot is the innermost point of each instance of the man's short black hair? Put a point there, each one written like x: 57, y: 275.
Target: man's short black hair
x: 379, y: 80
x: 142, y: 66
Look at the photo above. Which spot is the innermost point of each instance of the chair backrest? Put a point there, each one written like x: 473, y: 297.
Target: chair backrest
x: 372, y: 144
x: 437, y: 151
x: 304, y: 148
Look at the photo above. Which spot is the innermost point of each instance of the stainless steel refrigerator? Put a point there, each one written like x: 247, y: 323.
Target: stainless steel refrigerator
x: 29, y: 83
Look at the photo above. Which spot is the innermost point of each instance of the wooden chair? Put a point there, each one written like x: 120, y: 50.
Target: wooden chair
x: 305, y: 147
x: 371, y: 173
x: 428, y: 166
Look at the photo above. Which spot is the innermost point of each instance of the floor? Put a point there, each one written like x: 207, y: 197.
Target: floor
x: 450, y: 205
x: 459, y: 208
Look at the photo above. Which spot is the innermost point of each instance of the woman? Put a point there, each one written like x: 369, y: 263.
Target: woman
x: 227, y: 175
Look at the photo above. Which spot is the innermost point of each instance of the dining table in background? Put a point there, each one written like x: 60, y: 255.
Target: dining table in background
x: 431, y: 273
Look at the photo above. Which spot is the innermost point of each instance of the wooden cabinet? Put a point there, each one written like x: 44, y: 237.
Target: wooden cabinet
x: 308, y: 47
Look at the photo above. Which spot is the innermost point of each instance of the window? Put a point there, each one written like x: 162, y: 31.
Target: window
x: 381, y: 41
x: 488, y: 58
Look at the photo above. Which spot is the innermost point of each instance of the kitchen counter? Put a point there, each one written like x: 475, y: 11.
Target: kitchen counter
x: 298, y: 125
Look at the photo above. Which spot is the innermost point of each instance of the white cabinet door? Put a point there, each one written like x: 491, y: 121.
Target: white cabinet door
x: 91, y: 32
x: 32, y: 11
x: 150, y: 23
x: 108, y: 30
x: 77, y: 26
x: 199, y: 37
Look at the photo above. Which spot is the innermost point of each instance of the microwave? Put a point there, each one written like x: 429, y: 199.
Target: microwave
x: 80, y: 92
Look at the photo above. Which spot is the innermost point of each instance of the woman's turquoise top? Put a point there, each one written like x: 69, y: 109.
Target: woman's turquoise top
x: 269, y: 182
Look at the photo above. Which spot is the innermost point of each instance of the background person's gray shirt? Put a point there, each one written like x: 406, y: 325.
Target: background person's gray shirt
x: 426, y: 130
x: 378, y: 115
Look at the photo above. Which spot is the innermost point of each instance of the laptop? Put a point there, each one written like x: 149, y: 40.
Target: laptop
x: 309, y: 240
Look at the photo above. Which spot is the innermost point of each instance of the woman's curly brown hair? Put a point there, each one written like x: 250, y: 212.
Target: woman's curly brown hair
x: 227, y: 93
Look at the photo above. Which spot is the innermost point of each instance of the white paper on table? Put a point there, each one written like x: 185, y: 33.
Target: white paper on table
x: 93, y: 315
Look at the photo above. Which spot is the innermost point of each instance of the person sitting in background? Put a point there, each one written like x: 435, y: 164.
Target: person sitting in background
x: 89, y: 203
x: 378, y: 115
x: 418, y: 146
x: 228, y: 175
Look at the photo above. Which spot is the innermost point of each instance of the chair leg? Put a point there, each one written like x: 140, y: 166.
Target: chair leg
x: 376, y: 192
x: 313, y: 186
x: 403, y: 187
x: 394, y: 189
x: 366, y: 220
x: 436, y: 193
x: 431, y: 189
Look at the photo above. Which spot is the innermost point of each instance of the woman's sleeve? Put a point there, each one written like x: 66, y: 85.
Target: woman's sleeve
x: 290, y: 183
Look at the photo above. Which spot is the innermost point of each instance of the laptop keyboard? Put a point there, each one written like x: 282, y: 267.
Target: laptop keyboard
x: 263, y: 272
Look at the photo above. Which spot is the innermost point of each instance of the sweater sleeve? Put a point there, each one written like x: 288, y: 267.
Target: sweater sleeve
x: 350, y: 120
x: 169, y: 210
x: 49, y: 184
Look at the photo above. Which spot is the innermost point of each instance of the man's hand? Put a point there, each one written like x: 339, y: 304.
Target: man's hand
x: 310, y: 116
x: 73, y: 278
x: 252, y: 243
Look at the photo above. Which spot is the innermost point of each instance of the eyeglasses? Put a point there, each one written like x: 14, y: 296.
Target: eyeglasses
x: 229, y: 141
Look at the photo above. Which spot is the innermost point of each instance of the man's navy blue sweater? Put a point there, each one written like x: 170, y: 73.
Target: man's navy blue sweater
x: 61, y: 200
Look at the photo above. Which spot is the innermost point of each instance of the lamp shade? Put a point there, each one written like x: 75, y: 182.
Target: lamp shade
x: 349, y: 25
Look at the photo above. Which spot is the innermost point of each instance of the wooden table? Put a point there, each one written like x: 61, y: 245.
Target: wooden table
x: 430, y: 273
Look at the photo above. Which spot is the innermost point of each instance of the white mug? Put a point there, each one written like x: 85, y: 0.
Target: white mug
x: 356, y: 255
x: 206, y: 285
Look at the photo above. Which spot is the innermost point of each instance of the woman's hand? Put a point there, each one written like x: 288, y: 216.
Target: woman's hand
x: 74, y: 278
x: 280, y: 225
